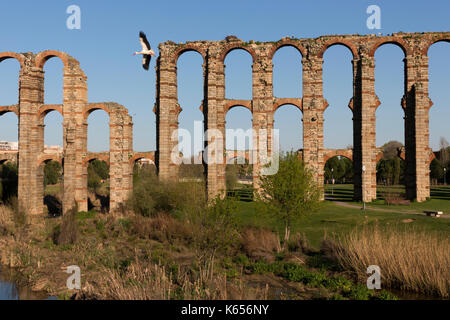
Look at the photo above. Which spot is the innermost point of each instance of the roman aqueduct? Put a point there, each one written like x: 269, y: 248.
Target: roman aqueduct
x: 75, y: 109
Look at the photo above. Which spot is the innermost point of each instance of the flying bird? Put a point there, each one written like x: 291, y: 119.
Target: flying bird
x: 146, y: 52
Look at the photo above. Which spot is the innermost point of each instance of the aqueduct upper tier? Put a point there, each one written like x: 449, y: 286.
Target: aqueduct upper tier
x: 415, y: 102
x: 75, y: 109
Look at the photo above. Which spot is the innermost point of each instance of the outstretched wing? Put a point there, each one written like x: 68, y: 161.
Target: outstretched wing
x: 146, y: 61
x: 144, y: 42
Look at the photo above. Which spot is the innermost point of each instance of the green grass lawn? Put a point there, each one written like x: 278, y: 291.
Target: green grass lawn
x: 440, y: 198
x: 334, y: 219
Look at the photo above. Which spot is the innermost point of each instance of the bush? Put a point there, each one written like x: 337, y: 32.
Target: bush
x: 260, y: 243
x: 215, y: 228
x: 52, y: 172
x: 151, y: 196
x: 290, y: 193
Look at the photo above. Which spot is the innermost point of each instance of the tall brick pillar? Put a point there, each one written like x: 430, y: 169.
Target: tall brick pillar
x: 31, y: 97
x: 167, y: 110
x: 213, y: 110
x: 364, y: 105
x: 417, y: 150
x: 262, y: 113
x: 121, y: 142
x: 74, y: 135
x: 313, y: 108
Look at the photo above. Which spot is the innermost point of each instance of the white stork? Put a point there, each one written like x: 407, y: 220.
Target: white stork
x: 147, y: 51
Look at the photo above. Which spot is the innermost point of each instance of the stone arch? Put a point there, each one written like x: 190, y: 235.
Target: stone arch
x: 44, y: 56
x: 230, y: 104
x: 334, y: 42
x: 13, y: 55
x: 12, y: 108
x: 236, y: 46
x: 45, y: 158
x: 346, y: 153
x: 186, y: 48
x: 279, y: 102
x: 431, y: 42
x: 142, y: 155
x: 286, y: 43
x: 96, y: 156
x: 47, y: 108
x: 91, y: 107
x: 402, y: 44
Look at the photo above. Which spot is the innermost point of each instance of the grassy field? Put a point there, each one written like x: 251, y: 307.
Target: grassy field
x: 334, y: 219
x: 440, y: 198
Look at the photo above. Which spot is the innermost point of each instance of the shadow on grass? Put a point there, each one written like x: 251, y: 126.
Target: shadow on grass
x: 343, y: 193
x: 54, y: 206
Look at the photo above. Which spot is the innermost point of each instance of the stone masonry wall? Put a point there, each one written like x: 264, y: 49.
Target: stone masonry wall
x: 364, y: 103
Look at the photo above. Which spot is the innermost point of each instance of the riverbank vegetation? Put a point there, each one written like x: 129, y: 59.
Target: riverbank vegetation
x: 170, y: 244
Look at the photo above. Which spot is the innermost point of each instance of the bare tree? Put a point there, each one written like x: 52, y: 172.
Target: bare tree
x: 444, y: 152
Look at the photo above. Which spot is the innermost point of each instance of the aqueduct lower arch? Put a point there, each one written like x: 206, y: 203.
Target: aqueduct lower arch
x: 75, y: 109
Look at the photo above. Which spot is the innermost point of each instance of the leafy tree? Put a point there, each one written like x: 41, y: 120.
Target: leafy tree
x: 52, y: 172
x: 231, y: 176
x: 97, y: 171
x: 290, y: 193
x: 390, y: 149
x: 436, y: 170
x: 340, y: 169
x: 101, y: 168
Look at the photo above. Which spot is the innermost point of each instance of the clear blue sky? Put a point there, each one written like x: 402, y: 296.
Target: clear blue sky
x: 109, y: 36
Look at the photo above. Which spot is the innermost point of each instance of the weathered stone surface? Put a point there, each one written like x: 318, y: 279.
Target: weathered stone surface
x: 263, y: 104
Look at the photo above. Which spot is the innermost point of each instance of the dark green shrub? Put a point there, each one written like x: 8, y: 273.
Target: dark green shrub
x: 52, y: 172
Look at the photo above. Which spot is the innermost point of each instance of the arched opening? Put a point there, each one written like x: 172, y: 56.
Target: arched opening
x: 390, y: 88
x: 53, y: 133
x: 98, y: 185
x: 53, y: 190
x: 53, y: 81
x: 288, y: 122
x: 98, y: 131
x: 238, y: 75
x: 9, y: 178
x: 144, y: 171
x: 239, y: 178
x: 9, y: 148
x: 439, y: 180
x: 238, y: 144
x: 9, y: 133
x: 338, y: 89
x: 391, y: 178
x: 390, y: 125
x: 9, y: 80
x: 439, y: 113
x: 287, y: 73
x: 338, y: 179
x: 190, y: 119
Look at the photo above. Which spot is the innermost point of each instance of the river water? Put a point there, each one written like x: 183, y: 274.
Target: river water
x: 10, y: 291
